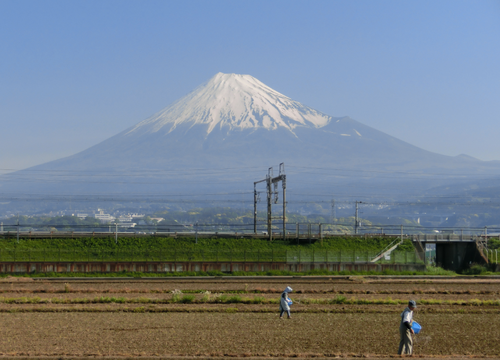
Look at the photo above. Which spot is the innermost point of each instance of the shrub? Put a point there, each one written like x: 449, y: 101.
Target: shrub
x: 206, y: 296
x: 475, y: 269
x: 340, y: 299
x: 143, y: 300
x: 176, y: 295
x: 102, y: 300
x: 258, y: 300
x: 187, y: 299
x: 233, y: 299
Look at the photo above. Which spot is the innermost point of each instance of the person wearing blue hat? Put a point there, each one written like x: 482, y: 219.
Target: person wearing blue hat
x: 405, y: 330
x: 285, y: 302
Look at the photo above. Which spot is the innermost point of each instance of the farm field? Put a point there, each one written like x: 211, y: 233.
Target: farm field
x: 331, y: 317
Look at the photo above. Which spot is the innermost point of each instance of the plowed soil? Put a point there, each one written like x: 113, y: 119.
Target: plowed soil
x: 240, y: 334
x: 145, y: 322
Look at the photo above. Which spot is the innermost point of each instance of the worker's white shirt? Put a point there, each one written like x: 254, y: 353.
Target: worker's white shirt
x: 284, y: 301
x: 407, y: 315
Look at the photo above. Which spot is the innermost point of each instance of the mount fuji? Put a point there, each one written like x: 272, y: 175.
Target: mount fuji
x: 233, y: 122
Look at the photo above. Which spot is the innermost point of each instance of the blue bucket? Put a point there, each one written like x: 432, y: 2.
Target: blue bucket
x: 290, y: 302
x: 416, y: 327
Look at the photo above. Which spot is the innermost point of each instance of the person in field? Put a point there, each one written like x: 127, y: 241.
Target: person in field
x: 285, y: 302
x: 405, y: 330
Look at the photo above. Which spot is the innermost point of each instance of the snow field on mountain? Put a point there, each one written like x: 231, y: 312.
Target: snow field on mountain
x: 238, y: 102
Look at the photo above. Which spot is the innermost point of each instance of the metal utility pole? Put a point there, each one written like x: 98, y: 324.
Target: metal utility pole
x: 116, y: 233
x: 283, y: 185
x: 272, y: 195
x: 356, y: 221
x: 255, y: 208
x: 255, y: 200
x: 334, y: 215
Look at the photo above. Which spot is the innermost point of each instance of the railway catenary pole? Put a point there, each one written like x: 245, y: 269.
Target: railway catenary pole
x: 356, y: 221
x: 255, y: 200
x: 284, y: 204
x: 271, y: 182
x: 255, y: 208
x: 333, y: 213
x: 282, y: 178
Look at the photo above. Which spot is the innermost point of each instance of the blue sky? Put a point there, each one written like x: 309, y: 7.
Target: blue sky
x: 74, y: 73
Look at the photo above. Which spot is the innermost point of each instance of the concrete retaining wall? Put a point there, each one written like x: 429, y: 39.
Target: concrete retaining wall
x: 165, y: 267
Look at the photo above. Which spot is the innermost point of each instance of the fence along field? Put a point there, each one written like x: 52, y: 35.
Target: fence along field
x: 227, y: 255
x: 175, y: 317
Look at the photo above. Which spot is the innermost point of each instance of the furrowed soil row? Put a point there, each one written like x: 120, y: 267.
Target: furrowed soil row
x: 242, y: 334
x: 224, y: 299
x: 357, y: 285
x: 237, y: 308
x: 256, y: 291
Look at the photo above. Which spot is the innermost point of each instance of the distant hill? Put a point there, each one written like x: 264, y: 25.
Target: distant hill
x: 226, y: 133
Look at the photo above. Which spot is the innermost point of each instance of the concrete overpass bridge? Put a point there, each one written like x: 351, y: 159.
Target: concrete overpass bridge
x: 454, y: 251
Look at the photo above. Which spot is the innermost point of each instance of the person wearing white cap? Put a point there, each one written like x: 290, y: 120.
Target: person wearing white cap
x: 405, y: 330
x: 285, y: 302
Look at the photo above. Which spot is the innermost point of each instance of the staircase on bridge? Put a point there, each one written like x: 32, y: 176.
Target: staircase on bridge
x: 388, y: 249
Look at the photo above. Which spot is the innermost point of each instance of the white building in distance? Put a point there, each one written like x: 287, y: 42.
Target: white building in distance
x: 102, y: 217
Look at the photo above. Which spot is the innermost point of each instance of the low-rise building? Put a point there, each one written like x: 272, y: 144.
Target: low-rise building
x: 102, y: 217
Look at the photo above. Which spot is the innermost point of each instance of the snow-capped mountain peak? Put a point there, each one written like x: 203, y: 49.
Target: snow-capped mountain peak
x: 234, y: 101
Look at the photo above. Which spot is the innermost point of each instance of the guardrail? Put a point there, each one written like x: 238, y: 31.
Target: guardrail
x: 202, y: 234
x: 70, y: 234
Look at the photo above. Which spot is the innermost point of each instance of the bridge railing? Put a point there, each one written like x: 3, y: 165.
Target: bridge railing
x: 443, y: 237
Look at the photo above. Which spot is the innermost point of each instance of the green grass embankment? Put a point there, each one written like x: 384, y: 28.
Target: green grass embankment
x: 213, y: 244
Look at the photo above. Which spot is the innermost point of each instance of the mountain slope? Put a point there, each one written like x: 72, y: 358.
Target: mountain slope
x: 235, y: 121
